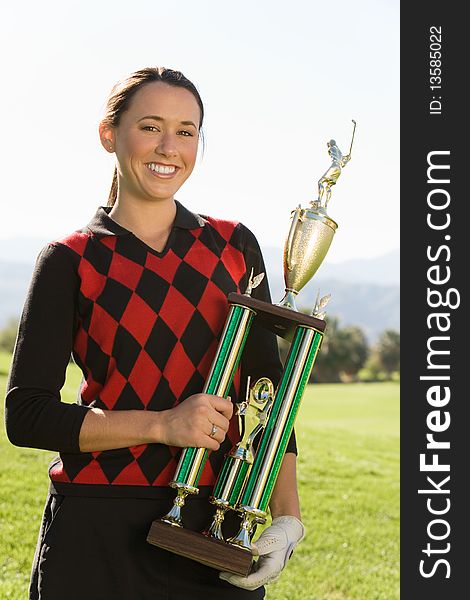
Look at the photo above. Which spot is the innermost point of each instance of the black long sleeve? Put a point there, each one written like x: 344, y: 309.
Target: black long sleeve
x: 34, y: 415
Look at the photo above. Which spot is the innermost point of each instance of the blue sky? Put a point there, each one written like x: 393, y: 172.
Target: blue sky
x: 278, y: 80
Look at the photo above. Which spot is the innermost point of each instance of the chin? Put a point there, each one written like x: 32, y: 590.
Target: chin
x: 161, y: 197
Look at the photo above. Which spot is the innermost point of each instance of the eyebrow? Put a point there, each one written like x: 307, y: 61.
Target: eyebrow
x: 157, y: 118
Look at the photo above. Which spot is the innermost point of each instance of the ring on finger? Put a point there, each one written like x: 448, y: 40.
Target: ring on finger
x: 214, y: 430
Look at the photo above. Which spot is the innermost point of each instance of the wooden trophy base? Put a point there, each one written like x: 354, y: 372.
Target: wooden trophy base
x: 278, y: 319
x: 196, y: 546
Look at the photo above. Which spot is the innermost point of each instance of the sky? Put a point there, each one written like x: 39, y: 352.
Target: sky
x: 278, y: 80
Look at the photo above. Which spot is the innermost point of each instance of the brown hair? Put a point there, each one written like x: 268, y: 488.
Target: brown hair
x: 122, y: 93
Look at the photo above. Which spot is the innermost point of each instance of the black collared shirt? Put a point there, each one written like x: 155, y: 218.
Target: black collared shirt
x: 102, y: 225
x: 143, y: 326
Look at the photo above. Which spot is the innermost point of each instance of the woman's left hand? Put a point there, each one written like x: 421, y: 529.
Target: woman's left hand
x: 274, y: 547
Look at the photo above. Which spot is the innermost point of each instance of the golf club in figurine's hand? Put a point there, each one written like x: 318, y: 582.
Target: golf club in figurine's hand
x: 274, y: 547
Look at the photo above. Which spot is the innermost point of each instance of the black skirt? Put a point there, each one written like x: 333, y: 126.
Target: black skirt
x: 96, y: 548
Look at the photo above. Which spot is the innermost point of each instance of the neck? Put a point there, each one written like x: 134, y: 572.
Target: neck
x: 149, y: 221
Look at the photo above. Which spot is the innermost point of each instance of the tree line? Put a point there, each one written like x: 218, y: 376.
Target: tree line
x: 345, y: 354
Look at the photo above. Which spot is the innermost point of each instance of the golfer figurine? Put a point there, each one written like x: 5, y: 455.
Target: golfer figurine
x: 330, y: 177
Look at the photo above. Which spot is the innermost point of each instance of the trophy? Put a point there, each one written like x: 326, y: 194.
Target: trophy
x: 267, y: 415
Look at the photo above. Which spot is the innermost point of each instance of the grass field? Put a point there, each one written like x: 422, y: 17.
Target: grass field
x: 348, y: 439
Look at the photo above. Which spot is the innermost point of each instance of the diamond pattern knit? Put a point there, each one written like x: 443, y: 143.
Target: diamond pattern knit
x: 149, y: 325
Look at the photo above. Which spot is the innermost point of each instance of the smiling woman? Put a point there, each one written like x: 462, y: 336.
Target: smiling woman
x: 154, y: 134
x: 139, y: 297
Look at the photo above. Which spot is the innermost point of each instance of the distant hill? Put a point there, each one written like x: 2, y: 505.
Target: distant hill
x: 365, y: 292
x: 372, y: 307
x: 382, y: 270
x: 22, y: 250
x: 14, y: 281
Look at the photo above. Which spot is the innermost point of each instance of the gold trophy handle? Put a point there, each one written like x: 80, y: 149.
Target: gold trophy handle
x: 290, y: 237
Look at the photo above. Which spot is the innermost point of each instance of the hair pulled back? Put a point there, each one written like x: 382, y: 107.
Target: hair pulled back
x: 123, y: 91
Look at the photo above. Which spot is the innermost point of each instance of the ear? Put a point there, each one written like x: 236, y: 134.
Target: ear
x: 107, y: 136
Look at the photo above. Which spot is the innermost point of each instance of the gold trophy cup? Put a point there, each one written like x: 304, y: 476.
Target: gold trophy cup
x: 312, y: 230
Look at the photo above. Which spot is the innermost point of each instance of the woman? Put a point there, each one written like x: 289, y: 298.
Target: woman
x: 139, y: 297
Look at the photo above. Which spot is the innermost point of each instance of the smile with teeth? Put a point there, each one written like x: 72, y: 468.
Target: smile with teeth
x: 161, y: 169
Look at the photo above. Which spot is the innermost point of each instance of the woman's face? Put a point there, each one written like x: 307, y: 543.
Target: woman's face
x: 155, y: 142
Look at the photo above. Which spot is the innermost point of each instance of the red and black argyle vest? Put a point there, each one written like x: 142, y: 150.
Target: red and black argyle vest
x: 147, y: 328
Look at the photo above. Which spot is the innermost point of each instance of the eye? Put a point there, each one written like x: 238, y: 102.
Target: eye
x: 150, y: 128
x: 186, y: 133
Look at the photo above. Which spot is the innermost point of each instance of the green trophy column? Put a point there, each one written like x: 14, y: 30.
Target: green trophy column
x: 219, y: 380
x: 259, y: 487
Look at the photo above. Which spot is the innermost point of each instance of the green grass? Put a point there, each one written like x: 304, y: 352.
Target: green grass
x: 348, y: 440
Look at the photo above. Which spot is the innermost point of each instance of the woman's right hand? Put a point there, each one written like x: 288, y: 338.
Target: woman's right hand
x: 189, y: 424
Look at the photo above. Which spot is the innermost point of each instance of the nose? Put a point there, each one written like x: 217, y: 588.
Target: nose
x: 166, y: 145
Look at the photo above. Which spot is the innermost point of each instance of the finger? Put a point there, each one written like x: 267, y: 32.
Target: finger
x: 210, y: 443
x: 214, y: 432
x: 222, y: 405
x: 268, y: 569
x: 219, y: 421
x: 269, y: 543
x: 240, y: 582
x: 264, y: 575
x: 219, y: 434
